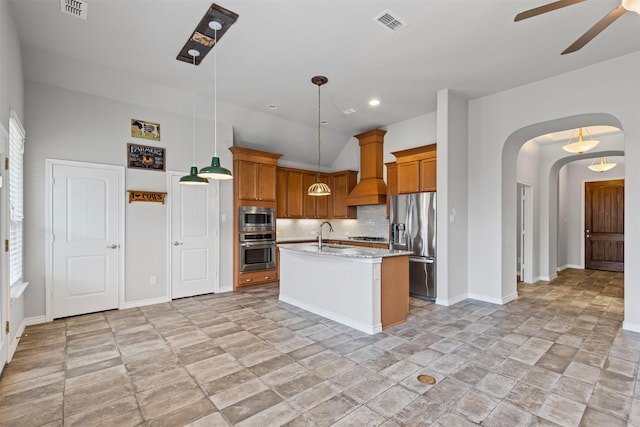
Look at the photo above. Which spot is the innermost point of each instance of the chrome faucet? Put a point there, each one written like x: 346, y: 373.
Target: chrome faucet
x: 320, y: 233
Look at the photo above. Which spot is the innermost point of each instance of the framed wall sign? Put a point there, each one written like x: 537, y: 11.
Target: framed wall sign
x: 145, y: 157
x: 146, y: 130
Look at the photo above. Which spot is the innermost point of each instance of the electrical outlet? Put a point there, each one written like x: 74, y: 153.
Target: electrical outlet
x: 153, y: 280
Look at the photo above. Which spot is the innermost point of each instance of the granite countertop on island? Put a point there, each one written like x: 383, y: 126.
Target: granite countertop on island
x: 335, y: 239
x: 342, y: 250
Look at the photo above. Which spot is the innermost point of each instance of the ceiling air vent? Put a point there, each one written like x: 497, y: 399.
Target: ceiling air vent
x: 390, y: 21
x: 77, y: 8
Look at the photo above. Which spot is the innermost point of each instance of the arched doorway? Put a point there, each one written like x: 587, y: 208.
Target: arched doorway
x: 547, y: 209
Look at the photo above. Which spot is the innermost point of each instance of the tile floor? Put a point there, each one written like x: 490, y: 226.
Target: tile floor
x: 557, y: 356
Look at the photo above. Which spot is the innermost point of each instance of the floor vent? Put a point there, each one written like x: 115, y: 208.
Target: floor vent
x: 77, y: 8
x: 390, y: 21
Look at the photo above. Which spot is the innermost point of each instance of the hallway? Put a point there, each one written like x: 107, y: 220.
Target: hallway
x: 556, y: 356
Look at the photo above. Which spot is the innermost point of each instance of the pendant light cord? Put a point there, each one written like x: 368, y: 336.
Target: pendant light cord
x: 193, y: 101
x: 215, y: 93
x: 318, y: 177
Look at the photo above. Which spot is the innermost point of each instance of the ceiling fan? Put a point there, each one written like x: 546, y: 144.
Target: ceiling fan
x: 626, y: 5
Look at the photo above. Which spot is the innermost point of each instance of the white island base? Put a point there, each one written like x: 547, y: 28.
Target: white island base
x: 350, y: 290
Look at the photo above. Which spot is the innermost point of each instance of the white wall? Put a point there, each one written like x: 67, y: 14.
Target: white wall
x: 498, y: 126
x: 451, y: 246
x: 64, y: 124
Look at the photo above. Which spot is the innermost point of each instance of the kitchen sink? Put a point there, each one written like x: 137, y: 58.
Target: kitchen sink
x: 332, y: 246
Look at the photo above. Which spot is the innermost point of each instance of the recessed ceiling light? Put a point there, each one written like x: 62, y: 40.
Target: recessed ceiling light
x: 349, y: 111
x: 374, y: 102
x: 272, y: 106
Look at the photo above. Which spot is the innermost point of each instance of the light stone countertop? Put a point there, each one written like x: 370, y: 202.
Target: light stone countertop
x: 325, y: 237
x: 342, y: 250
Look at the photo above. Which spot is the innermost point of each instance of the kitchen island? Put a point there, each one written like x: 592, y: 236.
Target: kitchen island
x: 364, y: 288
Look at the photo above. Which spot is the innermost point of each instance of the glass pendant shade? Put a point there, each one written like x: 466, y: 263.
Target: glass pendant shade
x: 632, y: 5
x: 215, y: 171
x: 319, y: 188
x: 581, y: 145
x: 602, y: 165
x: 193, y: 178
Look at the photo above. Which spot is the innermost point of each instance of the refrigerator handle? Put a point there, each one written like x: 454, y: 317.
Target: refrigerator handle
x: 421, y: 260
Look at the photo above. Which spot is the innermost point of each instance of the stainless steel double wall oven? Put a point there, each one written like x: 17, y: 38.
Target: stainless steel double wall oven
x: 257, y: 238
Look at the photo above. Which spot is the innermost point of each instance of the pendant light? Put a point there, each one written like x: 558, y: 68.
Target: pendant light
x: 602, y: 166
x: 319, y: 188
x: 193, y: 178
x: 215, y: 171
x: 580, y: 146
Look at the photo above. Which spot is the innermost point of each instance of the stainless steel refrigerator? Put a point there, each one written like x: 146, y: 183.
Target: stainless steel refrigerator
x: 412, y: 219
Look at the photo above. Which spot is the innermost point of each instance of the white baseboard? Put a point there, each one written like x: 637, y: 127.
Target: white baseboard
x: 493, y: 300
x: 367, y: 329
x: 143, y: 302
x: 35, y: 320
x: 224, y: 289
x: 14, y: 344
x: 451, y: 301
x: 633, y: 327
x: 545, y: 278
x: 564, y: 267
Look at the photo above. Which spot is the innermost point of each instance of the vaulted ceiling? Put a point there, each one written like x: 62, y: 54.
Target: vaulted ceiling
x: 269, y: 55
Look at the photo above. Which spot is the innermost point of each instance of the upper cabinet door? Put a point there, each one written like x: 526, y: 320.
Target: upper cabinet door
x: 428, y: 175
x: 247, y: 179
x: 295, y: 201
x: 267, y: 183
x: 409, y: 177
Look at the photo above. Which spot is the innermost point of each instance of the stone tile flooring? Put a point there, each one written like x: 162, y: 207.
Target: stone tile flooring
x: 556, y: 356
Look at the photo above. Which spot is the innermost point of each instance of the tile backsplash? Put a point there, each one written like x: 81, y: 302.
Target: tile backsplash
x: 372, y: 222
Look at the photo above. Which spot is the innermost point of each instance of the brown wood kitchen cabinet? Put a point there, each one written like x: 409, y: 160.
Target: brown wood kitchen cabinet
x: 315, y: 206
x: 254, y: 184
x: 254, y: 176
x: 292, y: 200
x: 341, y: 185
x: 290, y: 196
x: 416, y: 169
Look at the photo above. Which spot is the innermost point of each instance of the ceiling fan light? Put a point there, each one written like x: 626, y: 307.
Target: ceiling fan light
x: 602, y: 166
x: 631, y: 5
x: 215, y: 171
x: 319, y: 189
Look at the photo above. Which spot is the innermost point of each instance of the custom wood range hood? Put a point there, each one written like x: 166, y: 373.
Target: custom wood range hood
x: 371, y: 190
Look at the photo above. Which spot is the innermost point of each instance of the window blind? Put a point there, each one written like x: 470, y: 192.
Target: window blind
x: 16, y: 213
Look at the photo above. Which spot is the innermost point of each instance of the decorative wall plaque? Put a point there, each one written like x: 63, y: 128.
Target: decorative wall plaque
x: 146, y: 196
x: 145, y: 157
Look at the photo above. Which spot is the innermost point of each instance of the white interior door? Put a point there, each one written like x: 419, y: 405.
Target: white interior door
x: 86, y: 231
x: 194, y: 230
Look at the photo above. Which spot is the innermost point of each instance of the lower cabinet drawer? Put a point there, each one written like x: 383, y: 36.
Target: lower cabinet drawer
x: 257, y: 277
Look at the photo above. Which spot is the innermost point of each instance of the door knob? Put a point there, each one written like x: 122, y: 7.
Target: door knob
x: 113, y: 247
x: 177, y: 243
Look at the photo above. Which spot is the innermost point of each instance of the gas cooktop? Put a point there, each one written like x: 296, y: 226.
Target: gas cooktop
x: 368, y: 238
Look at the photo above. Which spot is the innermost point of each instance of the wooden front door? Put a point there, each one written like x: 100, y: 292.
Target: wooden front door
x: 604, y: 225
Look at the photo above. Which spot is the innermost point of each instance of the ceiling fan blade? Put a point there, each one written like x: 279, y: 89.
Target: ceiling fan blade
x: 544, y: 9
x: 595, y: 30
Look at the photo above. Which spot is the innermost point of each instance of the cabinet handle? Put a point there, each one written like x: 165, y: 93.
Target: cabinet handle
x: 247, y: 280
x: 267, y: 277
